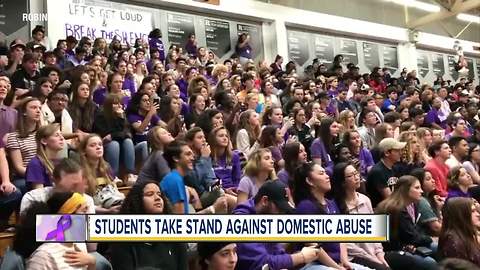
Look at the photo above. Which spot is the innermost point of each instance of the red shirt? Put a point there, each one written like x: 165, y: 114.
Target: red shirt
x: 439, y: 171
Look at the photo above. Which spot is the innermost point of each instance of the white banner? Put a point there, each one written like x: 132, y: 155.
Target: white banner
x: 239, y: 228
x: 94, y: 19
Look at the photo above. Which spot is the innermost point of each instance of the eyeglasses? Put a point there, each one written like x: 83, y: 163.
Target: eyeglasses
x: 352, y: 175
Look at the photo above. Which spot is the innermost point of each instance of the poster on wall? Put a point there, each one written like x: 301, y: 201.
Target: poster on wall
x: 422, y: 64
x: 390, y: 58
x: 438, y: 64
x: 471, y: 71
x: 180, y: 26
x: 217, y: 35
x: 97, y: 19
x: 348, y: 48
x: 478, y: 69
x: 370, y: 55
x: 298, y: 47
x: 11, y: 19
x: 452, y: 61
x: 324, y: 50
x: 255, y: 37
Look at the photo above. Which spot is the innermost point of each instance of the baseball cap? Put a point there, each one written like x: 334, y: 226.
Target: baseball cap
x: 38, y: 46
x: 464, y: 93
x: 16, y: 43
x: 276, y: 192
x: 391, y: 143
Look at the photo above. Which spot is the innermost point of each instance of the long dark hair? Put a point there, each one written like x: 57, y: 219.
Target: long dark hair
x: 267, y: 136
x: 323, y: 132
x: 290, y: 155
x: 457, y: 223
x: 338, y: 189
x: 82, y: 115
x: 204, y: 120
x: 133, y: 203
x: 301, y: 189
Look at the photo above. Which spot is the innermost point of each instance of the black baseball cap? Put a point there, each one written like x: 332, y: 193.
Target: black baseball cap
x: 276, y: 192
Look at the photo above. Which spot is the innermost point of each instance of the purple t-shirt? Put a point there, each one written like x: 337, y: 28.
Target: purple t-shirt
x: 247, y: 185
x: 283, y: 176
x: 366, y: 160
x: 36, y: 173
x: 318, y: 150
x: 229, y: 173
x: 308, y: 206
x: 141, y: 137
x: 183, y: 85
x: 432, y: 117
x: 101, y: 93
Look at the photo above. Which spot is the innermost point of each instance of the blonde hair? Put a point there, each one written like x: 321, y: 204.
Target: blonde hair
x: 219, y: 68
x: 43, y: 133
x: 407, y: 155
x: 343, y: 118
x: 253, y: 166
x: 90, y: 172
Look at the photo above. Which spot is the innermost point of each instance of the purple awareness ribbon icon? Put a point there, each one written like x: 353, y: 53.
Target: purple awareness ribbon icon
x: 63, y: 224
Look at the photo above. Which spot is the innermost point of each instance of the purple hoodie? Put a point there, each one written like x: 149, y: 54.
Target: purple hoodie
x: 157, y: 43
x: 254, y: 256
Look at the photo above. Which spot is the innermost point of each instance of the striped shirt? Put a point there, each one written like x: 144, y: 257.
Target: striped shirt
x: 27, y: 145
x: 49, y: 256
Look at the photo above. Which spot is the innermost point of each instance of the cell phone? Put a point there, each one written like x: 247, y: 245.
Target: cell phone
x: 156, y: 100
x: 215, y: 185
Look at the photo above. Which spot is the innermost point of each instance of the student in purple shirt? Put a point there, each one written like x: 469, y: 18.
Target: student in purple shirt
x: 323, y: 145
x: 50, y: 142
x: 155, y: 41
x: 142, y: 116
x: 271, y: 137
x: 225, y: 161
x: 243, y: 48
x: 432, y: 118
x: 294, y: 154
x: 312, y: 183
x: 128, y: 84
x: 271, y: 198
x: 191, y: 45
x: 114, y: 86
x: 354, y: 142
x: 458, y: 182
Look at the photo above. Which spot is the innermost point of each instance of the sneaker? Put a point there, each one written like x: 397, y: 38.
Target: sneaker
x: 118, y: 182
x: 131, y: 179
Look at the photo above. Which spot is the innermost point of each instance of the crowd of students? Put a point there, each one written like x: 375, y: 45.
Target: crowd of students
x: 192, y: 134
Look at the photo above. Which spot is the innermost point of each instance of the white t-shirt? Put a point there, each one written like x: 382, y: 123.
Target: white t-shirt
x: 49, y: 256
x: 43, y: 194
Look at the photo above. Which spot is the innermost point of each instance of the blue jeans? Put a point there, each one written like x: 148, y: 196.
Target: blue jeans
x: 9, y: 203
x: 20, y: 183
x: 101, y: 263
x: 141, y: 150
x: 318, y: 266
x: 125, y: 149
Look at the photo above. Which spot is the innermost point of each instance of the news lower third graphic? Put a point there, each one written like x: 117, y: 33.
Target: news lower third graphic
x: 197, y: 228
x: 61, y: 228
